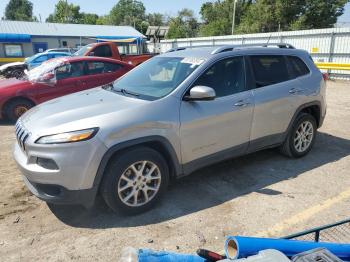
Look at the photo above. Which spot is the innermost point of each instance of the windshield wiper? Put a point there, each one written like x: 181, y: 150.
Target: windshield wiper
x: 126, y: 92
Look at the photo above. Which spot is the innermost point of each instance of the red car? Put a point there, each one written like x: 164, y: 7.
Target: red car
x: 55, y: 78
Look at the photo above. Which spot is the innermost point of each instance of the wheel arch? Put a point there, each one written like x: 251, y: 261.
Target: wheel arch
x: 313, y: 108
x: 158, y: 143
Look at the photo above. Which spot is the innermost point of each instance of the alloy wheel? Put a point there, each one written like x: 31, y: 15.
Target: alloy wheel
x: 303, y: 136
x: 139, y: 183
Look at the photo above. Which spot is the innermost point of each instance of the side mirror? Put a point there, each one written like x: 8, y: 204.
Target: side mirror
x: 91, y: 53
x: 48, y: 77
x: 201, y: 93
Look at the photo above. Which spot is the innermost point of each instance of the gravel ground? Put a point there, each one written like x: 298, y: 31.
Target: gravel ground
x: 263, y: 193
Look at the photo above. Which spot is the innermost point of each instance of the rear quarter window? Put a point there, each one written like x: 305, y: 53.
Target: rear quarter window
x: 298, y: 67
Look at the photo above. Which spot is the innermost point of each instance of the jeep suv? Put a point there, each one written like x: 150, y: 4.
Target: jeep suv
x: 178, y: 112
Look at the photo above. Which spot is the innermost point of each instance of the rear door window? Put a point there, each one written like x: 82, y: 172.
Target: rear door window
x: 269, y: 69
x: 111, y: 67
x: 95, y: 67
x: 298, y: 66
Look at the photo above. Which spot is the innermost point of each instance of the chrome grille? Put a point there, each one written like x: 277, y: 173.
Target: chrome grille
x: 22, y: 135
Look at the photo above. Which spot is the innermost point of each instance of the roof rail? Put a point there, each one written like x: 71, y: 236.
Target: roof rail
x: 232, y: 47
x: 185, y: 47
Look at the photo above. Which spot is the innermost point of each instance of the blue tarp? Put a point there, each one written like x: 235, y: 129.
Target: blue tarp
x: 146, y: 255
x: 15, y: 38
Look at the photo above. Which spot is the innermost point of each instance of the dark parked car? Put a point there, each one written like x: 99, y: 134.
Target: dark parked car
x: 55, y: 78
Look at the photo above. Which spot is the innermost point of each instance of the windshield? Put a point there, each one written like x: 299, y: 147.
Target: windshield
x: 31, y: 58
x: 83, y: 50
x: 157, y: 77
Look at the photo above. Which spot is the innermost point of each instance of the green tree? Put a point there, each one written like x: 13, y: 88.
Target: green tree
x: 274, y: 15
x: 20, y: 10
x: 217, y: 16
x: 127, y: 12
x: 318, y: 14
x: 86, y: 18
x: 65, y: 13
x: 156, y: 19
x: 183, y: 25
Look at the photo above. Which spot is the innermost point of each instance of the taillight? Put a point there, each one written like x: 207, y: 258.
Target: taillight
x: 325, y: 76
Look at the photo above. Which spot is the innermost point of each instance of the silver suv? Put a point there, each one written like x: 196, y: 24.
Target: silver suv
x: 173, y: 114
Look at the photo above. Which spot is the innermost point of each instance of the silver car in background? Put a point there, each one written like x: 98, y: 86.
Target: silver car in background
x: 175, y: 113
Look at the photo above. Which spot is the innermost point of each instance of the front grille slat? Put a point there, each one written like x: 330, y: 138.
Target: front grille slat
x: 22, y: 135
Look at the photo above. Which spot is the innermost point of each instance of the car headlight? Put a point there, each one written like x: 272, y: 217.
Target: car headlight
x: 69, y: 137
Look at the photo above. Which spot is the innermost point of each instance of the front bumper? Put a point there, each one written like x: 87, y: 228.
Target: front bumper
x: 72, y: 181
x: 57, y: 194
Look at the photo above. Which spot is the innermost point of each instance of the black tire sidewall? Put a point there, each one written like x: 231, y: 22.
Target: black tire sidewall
x: 119, y: 165
x: 10, y: 108
x: 17, y: 73
x: 302, y: 118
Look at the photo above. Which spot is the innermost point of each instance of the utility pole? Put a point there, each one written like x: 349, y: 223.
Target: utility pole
x: 234, y: 15
x: 66, y: 12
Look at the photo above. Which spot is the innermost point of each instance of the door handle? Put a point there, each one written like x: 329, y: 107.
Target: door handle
x: 295, y: 91
x: 241, y: 103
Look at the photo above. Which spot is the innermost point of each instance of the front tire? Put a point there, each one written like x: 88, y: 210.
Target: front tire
x: 135, y: 181
x: 301, y: 137
x: 17, y: 73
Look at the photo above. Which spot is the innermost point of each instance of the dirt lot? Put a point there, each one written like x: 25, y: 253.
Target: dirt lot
x: 260, y: 194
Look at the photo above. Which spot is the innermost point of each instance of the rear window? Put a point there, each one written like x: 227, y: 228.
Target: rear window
x: 269, y: 69
x: 298, y: 66
x: 102, y: 51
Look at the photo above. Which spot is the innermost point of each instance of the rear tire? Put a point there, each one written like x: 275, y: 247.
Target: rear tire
x: 301, y: 137
x: 135, y: 181
x: 14, y: 109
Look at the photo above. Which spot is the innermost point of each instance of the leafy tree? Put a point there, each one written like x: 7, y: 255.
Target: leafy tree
x: 86, y: 18
x: 156, y: 19
x: 20, y: 10
x: 319, y: 14
x: 217, y: 16
x: 127, y: 12
x: 274, y: 15
x: 183, y: 25
x: 65, y: 13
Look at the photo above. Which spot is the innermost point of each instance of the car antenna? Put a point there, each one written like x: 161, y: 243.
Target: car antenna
x: 268, y: 41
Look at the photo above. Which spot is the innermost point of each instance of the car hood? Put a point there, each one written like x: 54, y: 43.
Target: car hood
x: 77, y: 111
x: 13, y: 82
x: 3, y: 67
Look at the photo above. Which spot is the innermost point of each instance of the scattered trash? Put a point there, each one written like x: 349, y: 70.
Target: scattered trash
x: 318, y: 254
x: 268, y: 255
x: 251, y: 249
x: 150, y: 241
x: 209, y: 255
x: 17, y: 220
x: 201, y: 237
